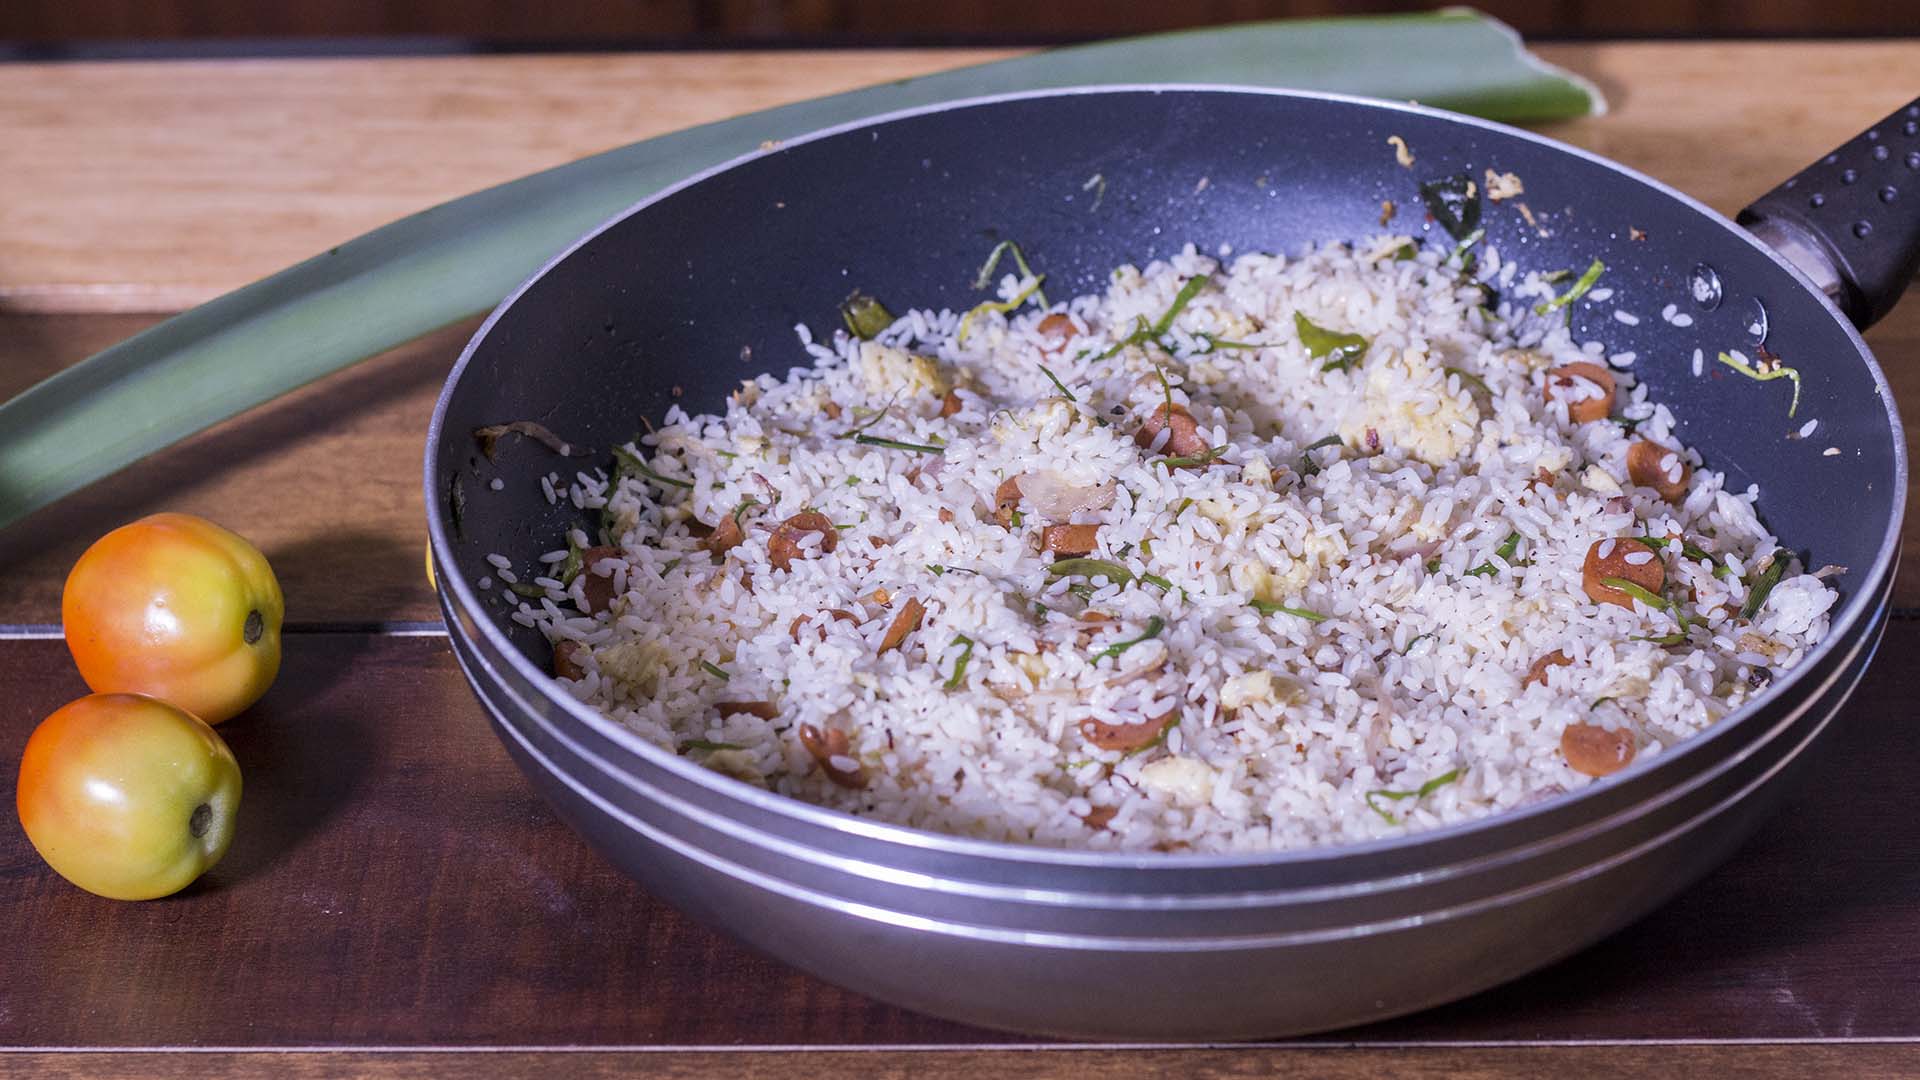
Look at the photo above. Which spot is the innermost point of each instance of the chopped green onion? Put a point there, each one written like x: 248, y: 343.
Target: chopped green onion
x: 1776, y: 371
x: 1652, y: 600
x: 528, y: 589
x: 1579, y: 289
x: 1309, y: 467
x: 1154, y: 626
x: 1406, y: 252
x: 1762, y: 586
x: 1157, y: 582
x: 715, y: 670
x: 1182, y: 508
x: 1268, y: 607
x: 1424, y: 790
x: 1417, y: 639
x: 1678, y: 638
x: 702, y: 744
x: 1205, y: 457
x: 1214, y: 343
x: 1057, y: 384
x: 1001, y: 306
x: 960, y: 665
x: 1454, y: 202
x: 1090, y: 568
x: 1469, y: 379
x: 865, y: 317
x: 1180, y: 301
x: 570, y: 566
x: 1344, y: 349
x: 1466, y: 245
x: 1506, y: 552
x: 985, y: 276
x: 638, y: 464
x: 1555, y: 277
x: 875, y: 417
x: 895, y: 444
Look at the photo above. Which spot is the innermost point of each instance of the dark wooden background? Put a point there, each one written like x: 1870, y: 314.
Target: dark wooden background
x: 743, y: 22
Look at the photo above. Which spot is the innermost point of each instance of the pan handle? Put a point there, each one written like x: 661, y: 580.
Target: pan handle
x: 1851, y: 220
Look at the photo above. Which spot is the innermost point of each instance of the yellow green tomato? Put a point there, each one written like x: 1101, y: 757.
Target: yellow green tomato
x: 128, y: 796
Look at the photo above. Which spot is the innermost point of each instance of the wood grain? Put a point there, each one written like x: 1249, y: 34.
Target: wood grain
x: 1857, y: 1061
x: 396, y: 883
x: 152, y: 186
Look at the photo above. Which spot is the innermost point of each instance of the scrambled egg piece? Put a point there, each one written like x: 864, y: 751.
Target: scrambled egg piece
x: 735, y: 763
x: 1436, y: 437
x: 1276, y: 583
x: 887, y: 370
x: 1183, y: 779
x: 634, y: 666
x: 1249, y: 689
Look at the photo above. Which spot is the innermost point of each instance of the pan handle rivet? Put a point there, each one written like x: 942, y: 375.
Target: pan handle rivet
x: 1848, y: 176
x: 1862, y: 228
x: 1881, y: 153
x: 1889, y: 193
x: 1816, y: 200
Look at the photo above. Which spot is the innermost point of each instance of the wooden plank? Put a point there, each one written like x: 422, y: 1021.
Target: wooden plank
x: 1860, y: 1061
x: 325, y: 481
x: 151, y: 186
x: 396, y: 883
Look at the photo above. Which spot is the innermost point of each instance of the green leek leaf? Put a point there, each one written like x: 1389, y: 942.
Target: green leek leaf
x: 460, y: 258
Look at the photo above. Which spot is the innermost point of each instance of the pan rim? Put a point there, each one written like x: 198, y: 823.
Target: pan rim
x: 1854, y: 614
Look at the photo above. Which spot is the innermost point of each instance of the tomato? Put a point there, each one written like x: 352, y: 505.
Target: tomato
x: 178, y: 608
x: 127, y: 796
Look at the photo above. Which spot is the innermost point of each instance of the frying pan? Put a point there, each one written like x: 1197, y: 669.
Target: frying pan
x: 686, y: 294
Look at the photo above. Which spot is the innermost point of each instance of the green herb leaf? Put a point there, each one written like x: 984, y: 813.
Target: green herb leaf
x: 1003, y: 306
x: 1506, y: 552
x: 1774, y: 370
x: 1057, y: 384
x: 1762, y: 585
x: 876, y: 417
x: 1308, y: 466
x: 1090, y: 568
x: 1154, y: 626
x: 570, y: 566
x: 1180, y: 301
x: 637, y: 464
x: 1424, y: 790
x: 1344, y: 350
x: 1157, y: 582
x: 528, y: 589
x: 1469, y: 379
x: 865, y: 317
x: 1205, y: 457
x: 715, y: 670
x: 1454, y: 202
x: 1268, y: 607
x: 960, y: 665
x: 985, y: 277
x: 1678, y: 638
x: 1652, y: 600
x: 895, y: 444
x: 1579, y: 289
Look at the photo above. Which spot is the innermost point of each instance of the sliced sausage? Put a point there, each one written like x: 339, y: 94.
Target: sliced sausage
x: 1055, y: 331
x: 1185, y: 440
x: 1538, y: 672
x: 566, y: 659
x: 1596, y: 751
x: 1624, y: 558
x: 1127, y: 736
x: 1070, y: 541
x: 1577, y: 382
x: 1651, y: 465
x: 906, y: 622
x: 596, y: 589
x: 800, y: 622
x: 830, y: 751
x: 785, y: 547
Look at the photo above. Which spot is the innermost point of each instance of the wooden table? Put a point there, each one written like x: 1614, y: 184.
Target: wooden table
x: 399, y: 901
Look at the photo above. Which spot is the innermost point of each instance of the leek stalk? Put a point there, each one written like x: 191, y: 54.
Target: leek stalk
x: 460, y: 258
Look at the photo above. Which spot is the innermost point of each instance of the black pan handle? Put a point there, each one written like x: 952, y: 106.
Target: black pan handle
x: 1851, y: 220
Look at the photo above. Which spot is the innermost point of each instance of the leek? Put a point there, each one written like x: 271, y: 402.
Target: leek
x: 460, y: 258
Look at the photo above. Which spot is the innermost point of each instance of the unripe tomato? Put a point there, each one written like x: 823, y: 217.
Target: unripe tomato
x: 178, y: 608
x: 127, y: 796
